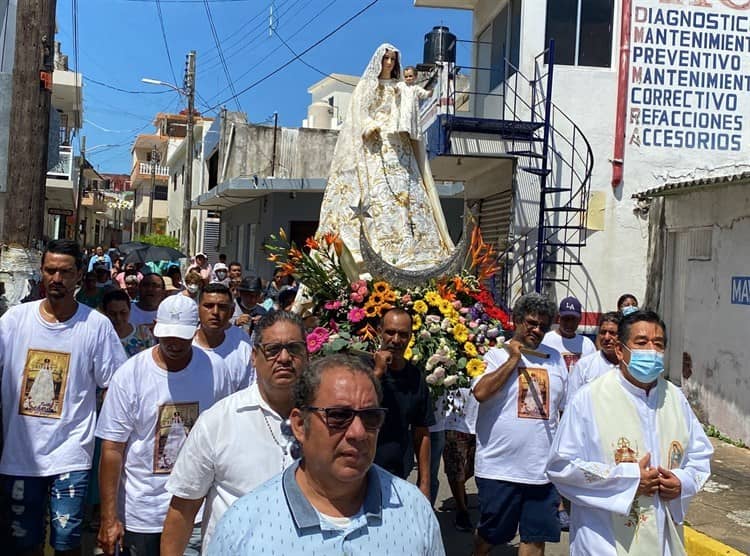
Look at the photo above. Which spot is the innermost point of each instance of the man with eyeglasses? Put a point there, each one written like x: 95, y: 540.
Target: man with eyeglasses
x: 240, y: 443
x: 334, y: 500
x: 630, y: 453
x: 520, y: 396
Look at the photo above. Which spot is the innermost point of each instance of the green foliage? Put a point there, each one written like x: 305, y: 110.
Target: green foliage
x: 160, y: 240
x: 716, y: 433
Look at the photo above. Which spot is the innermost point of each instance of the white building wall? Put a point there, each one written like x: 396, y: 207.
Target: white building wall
x: 615, y: 259
x: 711, y: 339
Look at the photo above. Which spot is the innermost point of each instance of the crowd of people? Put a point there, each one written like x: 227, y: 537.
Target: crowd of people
x: 184, y: 414
x: 218, y: 434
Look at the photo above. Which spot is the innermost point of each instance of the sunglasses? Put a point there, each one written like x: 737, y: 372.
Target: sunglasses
x: 339, y: 418
x: 272, y: 351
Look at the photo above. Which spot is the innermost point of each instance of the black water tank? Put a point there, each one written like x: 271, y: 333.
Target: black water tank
x: 439, y: 46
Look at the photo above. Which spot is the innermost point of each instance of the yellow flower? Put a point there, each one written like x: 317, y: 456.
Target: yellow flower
x: 376, y: 298
x: 416, y: 322
x: 420, y: 307
x: 460, y: 333
x: 371, y: 310
x: 432, y: 297
x: 411, y: 341
x: 470, y: 349
x: 475, y: 367
x: 445, y: 307
x: 380, y: 287
x: 408, y: 354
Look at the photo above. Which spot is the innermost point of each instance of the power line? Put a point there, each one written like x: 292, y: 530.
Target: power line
x: 166, y: 43
x: 243, y: 37
x: 305, y: 51
x: 132, y: 92
x: 221, y: 53
x: 302, y: 27
x: 323, y: 73
x: 243, y: 42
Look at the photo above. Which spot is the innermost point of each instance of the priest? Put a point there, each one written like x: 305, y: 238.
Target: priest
x: 629, y: 452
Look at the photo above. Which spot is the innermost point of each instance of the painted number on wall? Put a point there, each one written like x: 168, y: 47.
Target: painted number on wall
x: 741, y: 290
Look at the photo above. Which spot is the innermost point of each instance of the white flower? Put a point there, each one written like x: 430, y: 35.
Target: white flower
x: 439, y: 372
x: 430, y: 379
x: 450, y: 381
x: 434, y: 328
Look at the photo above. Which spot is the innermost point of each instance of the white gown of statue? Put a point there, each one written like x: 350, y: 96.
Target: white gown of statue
x: 388, y: 174
x: 42, y: 392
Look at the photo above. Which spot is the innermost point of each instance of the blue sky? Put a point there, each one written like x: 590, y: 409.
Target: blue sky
x: 120, y: 41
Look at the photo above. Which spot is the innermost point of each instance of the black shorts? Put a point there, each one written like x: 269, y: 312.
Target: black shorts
x: 509, y: 507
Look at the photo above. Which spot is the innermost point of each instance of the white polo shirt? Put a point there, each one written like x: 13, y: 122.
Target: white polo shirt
x: 234, y: 447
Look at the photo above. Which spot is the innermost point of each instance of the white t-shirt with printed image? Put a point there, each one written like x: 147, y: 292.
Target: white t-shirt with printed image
x: 235, y: 350
x: 139, y: 316
x: 515, y: 426
x: 571, y: 349
x: 49, y: 373
x: 153, y: 410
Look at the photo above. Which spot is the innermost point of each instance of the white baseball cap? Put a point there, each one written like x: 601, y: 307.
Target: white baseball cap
x: 220, y: 266
x: 177, y: 317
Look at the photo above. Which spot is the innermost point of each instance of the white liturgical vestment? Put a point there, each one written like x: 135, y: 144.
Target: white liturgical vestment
x: 598, y: 488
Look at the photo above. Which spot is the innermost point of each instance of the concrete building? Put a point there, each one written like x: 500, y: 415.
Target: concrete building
x: 643, y: 93
x: 330, y: 101
x: 176, y: 163
x: 699, y: 279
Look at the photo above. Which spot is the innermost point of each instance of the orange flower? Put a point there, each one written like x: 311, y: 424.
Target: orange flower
x: 380, y: 287
x: 371, y: 310
x: 376, y: 299
x: 312, y: 243
x: 329, y: 237
x: 287, y: 269
x: 282, y: 234
x: 368, y: 333
x: 273, y: 257
x: 445, y: 293
x: 390, y: 296
x: 338, y: 246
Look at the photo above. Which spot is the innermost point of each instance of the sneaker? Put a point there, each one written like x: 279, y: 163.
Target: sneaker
x: 463, y: 522
x: 564, y: 519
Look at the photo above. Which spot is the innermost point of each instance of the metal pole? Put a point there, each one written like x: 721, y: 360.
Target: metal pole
x: 79, y: 196
x: 154, y: 157
x: 273, y: 154
x: 541, y: 233
x: 188, y: 185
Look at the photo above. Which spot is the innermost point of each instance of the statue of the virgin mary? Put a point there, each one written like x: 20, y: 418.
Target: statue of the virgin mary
x: 380, y: 177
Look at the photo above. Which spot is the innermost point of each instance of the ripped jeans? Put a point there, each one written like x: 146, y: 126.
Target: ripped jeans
x: 27, y: 500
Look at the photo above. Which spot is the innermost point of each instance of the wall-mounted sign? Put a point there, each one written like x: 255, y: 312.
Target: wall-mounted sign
x: 60, y: 212
x: 741, y: 290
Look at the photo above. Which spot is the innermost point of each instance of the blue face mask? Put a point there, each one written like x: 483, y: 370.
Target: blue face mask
x: 629, y: 310
x: 645, y: 364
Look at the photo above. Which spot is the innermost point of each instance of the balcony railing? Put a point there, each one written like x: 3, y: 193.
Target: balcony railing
x: 63, y: 170
x: 145, y: 168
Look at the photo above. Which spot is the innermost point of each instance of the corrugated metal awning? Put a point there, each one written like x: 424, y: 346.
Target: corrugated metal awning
x: 676, y: 188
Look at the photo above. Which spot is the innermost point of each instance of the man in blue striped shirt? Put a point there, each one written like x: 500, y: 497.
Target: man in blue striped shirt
x: 334, y: 500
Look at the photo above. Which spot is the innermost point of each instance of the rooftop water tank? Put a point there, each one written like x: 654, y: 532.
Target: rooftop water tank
x: 439, y: 46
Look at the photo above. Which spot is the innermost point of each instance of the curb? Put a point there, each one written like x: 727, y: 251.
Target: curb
x: 698, y: 544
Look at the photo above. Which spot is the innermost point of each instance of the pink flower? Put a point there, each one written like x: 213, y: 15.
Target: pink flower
x: 463, y: 310
x: 314, y: 342
x: 457, y: 304
x: 332, y: 305
x: 358, y: 285
x: 322, y: 332
x: 357, y: 297
x: 335, y: 327
x: 356, y: 314
x: 362, y: 291
x: 406, y: 298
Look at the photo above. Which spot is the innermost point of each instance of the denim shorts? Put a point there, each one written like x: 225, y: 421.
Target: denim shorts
x: 30, y: 497
x: 507, y: 507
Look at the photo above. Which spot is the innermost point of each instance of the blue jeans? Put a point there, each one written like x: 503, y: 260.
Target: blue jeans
x: 437, y: 445
x: 30, y: 497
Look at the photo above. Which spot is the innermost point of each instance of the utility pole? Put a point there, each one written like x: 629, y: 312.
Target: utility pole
x: 273, y: 153
x: 33, y: 64
x: 29, y: 122
x: 78, y: 236
x: 188, y: 185
x: 154, y: 161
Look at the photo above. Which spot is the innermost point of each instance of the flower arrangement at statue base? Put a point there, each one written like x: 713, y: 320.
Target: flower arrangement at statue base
x: 455, y: 320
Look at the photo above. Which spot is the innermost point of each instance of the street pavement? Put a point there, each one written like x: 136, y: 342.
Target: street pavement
x: 722, y: 509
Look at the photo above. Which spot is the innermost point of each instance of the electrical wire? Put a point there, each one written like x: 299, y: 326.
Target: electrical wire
x: 321, y: 72
x: 305, y: 51
x: 166, y: 42
x: 114, y: 88
x: 265, y: 57
x: 221, y: 53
